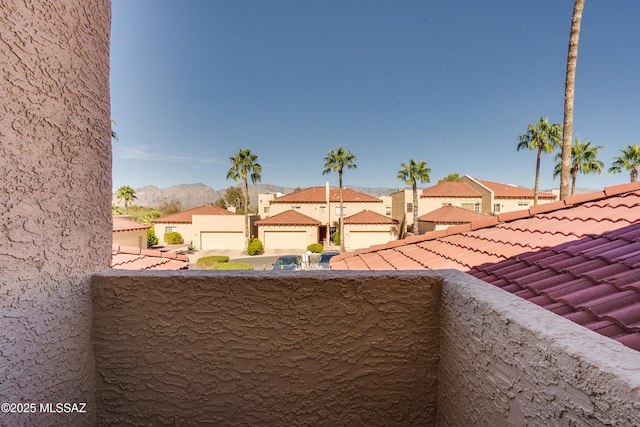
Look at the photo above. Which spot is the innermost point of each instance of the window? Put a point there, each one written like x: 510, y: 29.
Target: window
x: 476, y: 208
x: 267, y: 209
x: 170, y: 229
x: 446, y: 204
x: 468, y: 206
x: 295, y: 207
x: 344, y: 211
x: 523, y: 204
x: 388, y: 211
x: 409, y: 207
x: 323, y: 210
x: 496, y: 208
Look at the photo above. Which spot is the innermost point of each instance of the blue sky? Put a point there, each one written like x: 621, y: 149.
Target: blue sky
x: 452, y: 83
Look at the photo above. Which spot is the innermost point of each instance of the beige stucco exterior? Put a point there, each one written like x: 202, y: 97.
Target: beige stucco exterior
x: 359, y: 236
x: 133, y: 238
x: 226, y: 227
x: 281, y: 237
x: 55, y: 157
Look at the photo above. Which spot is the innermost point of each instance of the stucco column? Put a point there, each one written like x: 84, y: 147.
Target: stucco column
x: 55, y: 187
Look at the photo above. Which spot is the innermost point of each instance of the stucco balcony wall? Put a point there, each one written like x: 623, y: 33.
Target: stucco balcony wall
x: 348, y: 348
x: 266, y: 349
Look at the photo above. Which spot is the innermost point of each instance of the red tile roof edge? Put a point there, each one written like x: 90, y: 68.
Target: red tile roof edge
x: 502, y: 218
x: 131, y: 250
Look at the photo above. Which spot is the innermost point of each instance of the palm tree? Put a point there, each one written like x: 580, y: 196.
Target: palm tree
x: 629, y: 161
x: 569, y: 93
x: 244, y: 166
x: 411, y: 173
x: 336, y: 161
x: 127, y: 194
x: 114, y: 135
x: 540, y: 137
x: 584, y: 159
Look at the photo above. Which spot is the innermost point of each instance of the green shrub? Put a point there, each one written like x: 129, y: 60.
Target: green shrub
x: 213, y: 259
x: 152, y: 239
x: 336, y: 237
x: 230, y: 266
x: 315, y: 248
x: 255, y: 247
x: 173, y: 238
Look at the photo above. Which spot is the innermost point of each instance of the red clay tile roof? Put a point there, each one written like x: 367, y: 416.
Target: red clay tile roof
x: 318, y: 195
x: 580, y: 260
x: 186, y: 216
x: 130, y: 258
x: 450, y: 189
x: 452, y: 214
x: 290, y: 217
x: 506, y: 191
x: 369, y: 217
x: 125, y: 224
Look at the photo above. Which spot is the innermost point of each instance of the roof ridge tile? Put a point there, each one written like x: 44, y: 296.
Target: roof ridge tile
x: 614, y: 190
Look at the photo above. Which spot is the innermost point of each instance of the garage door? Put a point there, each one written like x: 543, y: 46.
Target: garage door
x: 222, y: 240
x: 285, y: 240
x: 364, y: 239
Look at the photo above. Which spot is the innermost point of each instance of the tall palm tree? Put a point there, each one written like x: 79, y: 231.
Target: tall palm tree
x: 584, y: 159
x: 336, y: 161
x: 114, y: 135
x: 127, y: 194
x: 569, y: 94
x: 541, y: 137
x: 411, y: 173
x: 245, y: 167
x: 629, y: 161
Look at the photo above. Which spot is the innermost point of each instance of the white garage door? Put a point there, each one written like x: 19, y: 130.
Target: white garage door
x: 285, y: 240
x: 222, y: 240
x: 364, y: 239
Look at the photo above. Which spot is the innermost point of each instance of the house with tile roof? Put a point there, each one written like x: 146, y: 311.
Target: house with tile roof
x: 482, y: 196
x: 205, y: 227
x: 447, y: 216
x: 288, y: 230
x: 578, y: 258
x: 133, y: 258
x: 127, y: 232
x: 367, y: 228
x: 322, y: 203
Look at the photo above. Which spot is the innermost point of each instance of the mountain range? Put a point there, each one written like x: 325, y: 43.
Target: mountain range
x: 193, y: 195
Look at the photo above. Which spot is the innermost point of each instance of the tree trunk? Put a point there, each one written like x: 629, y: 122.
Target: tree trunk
x: 246, y: 214
x: 342, y: 247
x: 414, y: 228
x: 537, y: 183
x: 574, y: 176
x: 634, y: 173
x: 569, y: 93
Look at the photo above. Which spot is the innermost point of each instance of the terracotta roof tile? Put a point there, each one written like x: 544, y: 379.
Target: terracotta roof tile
x: 126, y: 224
x: 131, y: 258
x: 453, y: 214
x: 290, y: 217
x: 186, y: 217
x: 369, y: 217
x: 318, y: 195
x: 579, y: 260
x: 450, y: 189
x: 507, y: 191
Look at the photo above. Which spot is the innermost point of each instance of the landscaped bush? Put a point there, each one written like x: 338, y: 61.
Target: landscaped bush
x: 336, y: 238
x: 173, y: 238
x: 213, y: 259
x: 230, y: 266
x: 315, y: 248
x: 152, y: 239
x: 255, y: 247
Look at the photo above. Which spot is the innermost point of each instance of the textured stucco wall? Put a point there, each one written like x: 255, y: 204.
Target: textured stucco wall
x: 55, y: 181
x: 505, y: 361
x: 259, y: 348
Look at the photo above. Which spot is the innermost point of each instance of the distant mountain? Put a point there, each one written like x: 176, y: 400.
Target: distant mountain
x: 193, y: 195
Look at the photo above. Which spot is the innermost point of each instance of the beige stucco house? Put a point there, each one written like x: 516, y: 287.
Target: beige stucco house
x: 447, y: 216
x: 323, y: 205
x: 288, y: 230
x: 204, y: 227
x: 367, y: 228
x: 127, y: 232
x: 482, y: 196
